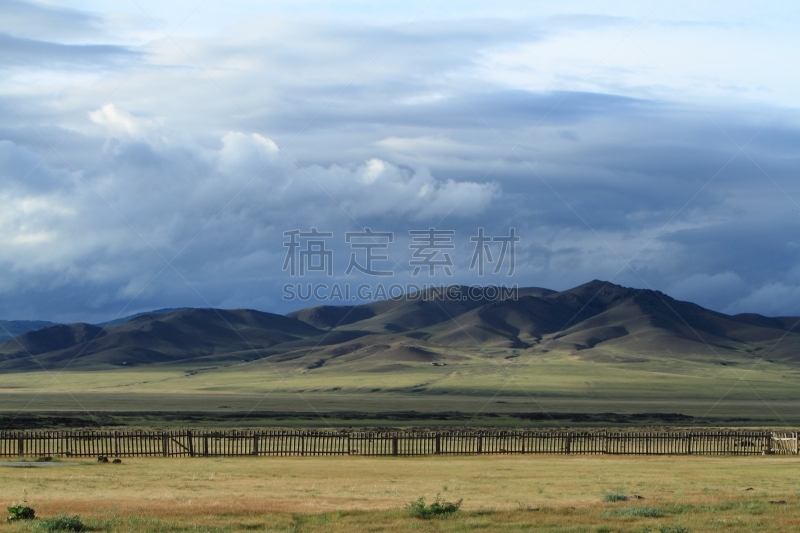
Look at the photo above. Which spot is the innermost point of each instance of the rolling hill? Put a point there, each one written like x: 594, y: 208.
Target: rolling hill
x: 11, y: 328
x: 186, y: 334
x: 595, y: 322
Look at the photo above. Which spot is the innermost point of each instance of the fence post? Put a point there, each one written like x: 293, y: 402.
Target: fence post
x: 480, y: 443
x: 438, y: 444
x: 796, y: 444
x: 164, y: 445
x: 689, y: 444
x: 394, y: 445
x: 190, y: 442
x: 20, y: 446
x: 255, y: 444
x: 205, y: 445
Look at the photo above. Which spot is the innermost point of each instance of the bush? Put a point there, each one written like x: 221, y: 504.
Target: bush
x: 62, y: 523
x: 615, y: 497
x: 439, y: 507
x: 20, y: 512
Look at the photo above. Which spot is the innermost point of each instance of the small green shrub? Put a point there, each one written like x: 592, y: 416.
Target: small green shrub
x: 20, y: 512
x: 615, y: 497
x: 62, y: 523
x: 649, y: 512
x: 439, y: 507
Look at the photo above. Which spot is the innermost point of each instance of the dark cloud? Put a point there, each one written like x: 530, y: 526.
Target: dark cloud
x: 308, y: 132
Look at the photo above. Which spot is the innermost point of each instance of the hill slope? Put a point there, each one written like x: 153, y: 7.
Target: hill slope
x: 11, y: 328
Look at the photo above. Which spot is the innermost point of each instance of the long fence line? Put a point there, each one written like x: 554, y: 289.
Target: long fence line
x: 187, y: 443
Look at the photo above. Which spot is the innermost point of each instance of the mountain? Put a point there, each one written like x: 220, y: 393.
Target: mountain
x: 601, y: 315
x: 597, y: 322
x: 11, y: 328
x: 402, y: 314
x: 131, y: 317
x: 194, y: 334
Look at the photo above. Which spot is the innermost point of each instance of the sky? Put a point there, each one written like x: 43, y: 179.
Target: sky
x: 155, y: 154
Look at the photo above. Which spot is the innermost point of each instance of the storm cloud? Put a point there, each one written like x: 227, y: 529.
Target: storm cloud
x: 155, y: 157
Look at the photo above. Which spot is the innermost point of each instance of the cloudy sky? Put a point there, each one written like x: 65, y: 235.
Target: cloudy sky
x: 153, y: 154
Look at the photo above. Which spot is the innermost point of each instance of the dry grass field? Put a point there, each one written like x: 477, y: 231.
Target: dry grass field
x: 347, y: 494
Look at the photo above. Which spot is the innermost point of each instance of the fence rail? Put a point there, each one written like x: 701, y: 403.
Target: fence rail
x: 187, y: 443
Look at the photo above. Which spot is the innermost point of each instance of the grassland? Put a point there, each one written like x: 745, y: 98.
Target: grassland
x: 542, y: 493
x: 555, y: 375
x: 486, y: 390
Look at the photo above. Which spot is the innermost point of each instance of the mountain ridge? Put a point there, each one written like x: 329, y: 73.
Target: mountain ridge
x: 596, y: 321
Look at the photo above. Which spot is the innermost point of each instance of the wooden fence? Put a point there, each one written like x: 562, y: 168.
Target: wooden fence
x: 188, y: 443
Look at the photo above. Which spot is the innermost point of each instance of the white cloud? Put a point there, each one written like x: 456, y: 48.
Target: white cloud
x: 380, y: 189
x: 119, y: 123
x: 245, y: 155
x: 702, y: 63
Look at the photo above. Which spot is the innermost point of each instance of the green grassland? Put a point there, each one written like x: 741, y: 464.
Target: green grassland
x: 553, y: 375
x: 491, y: 387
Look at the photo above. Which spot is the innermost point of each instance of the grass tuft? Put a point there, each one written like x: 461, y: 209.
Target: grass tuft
x: 438, y: 508
x: 61, y: 523
x: 615, y: 497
